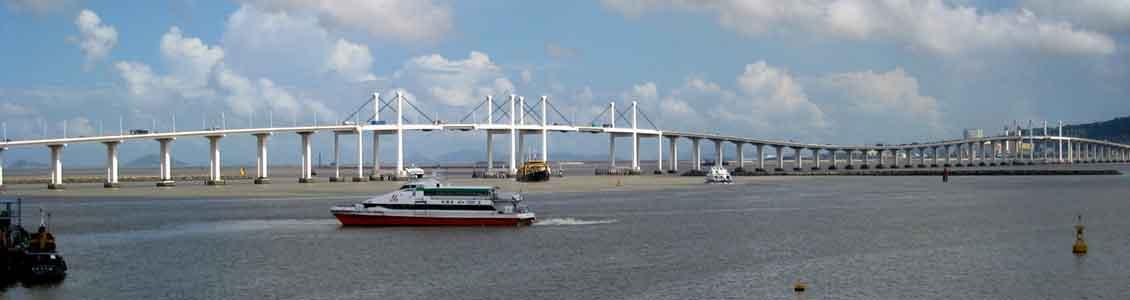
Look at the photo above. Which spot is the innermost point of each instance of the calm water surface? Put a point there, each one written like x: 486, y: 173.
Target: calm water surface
x: 849, y: 237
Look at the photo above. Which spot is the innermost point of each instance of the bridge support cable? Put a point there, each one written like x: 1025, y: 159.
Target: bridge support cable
x: 645, y: 118
x: 600, y: 115
x: 383, y: 105
x: 469, y: 114
x: 530, y: 111
x: 624, y: 117
x: 417, y: 109
x: 559, y: 114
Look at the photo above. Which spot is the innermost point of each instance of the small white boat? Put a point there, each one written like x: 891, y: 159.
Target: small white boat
x: 414, y: 172
x: 719, y: 175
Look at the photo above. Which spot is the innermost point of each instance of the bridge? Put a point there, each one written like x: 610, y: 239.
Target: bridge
x: 1012, y: 147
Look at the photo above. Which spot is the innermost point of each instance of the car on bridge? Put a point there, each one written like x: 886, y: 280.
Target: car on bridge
x: 138, y: 131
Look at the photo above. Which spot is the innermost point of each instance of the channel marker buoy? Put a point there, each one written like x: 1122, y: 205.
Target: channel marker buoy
x: 799, y: 288
x: 1080, y: 246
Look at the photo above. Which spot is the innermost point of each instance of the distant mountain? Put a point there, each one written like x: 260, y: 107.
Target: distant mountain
x: 1117, y: 130
x: 151, y: 160
x: 26, y: 164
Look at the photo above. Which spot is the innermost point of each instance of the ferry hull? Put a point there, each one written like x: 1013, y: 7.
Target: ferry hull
x: 350, y: 219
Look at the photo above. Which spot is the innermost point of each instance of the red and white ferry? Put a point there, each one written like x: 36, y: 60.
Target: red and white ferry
x: 429, y: 202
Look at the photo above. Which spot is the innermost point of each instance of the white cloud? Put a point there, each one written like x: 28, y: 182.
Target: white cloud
x: 456, y: 82
x: 12, y: 110
x: 772, y: 94
x: 934, y: 26
x: 768, y: 102
x: 891, y: 92
x: 198, y: 72
x: 78, y: 126
x: 36, y: 6
x: 96, y: 39
x: 644, y: 92
x: 256, y: 41
x: 189, y: 58
x: 409, y: 20
x: 351, y: 61
x: 1104, y: 15
x: 558, y: 51
x: 527, y: 77
x: 873, y: 101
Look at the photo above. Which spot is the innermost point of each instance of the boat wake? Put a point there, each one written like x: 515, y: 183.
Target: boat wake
x: 572, y: 221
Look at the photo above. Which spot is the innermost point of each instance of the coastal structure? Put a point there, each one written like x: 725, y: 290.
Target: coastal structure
x: 520, y: 119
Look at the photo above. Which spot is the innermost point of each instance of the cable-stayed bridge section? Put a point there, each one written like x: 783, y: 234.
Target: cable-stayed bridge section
x: 516, y: 119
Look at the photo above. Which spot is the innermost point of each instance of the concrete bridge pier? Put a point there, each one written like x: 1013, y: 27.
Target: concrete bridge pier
x: 166, y: 163
x: 799, y: 158
x: 400, y: 172
x: 718, y: 158
x: 261, y: 176
x: 832, y: 153
x: 696, y: 154
x: 867, y: 160
x: 375, y: 169
x: 522, y: 147
x: 962, y: 155
x: 741, y: 155
x: 909, y: 159
x: 545, y: 132
x: 490, y: 152
x: 2, y: 149
x: 111, y: 164
x: 375, y: 172
x: 673, y: 142
x: 948, y: 152
x: 850, y: 159
x: 306, y: 162
x: 611, y: 150
x: 214, y: 166
x: 635, y: 152
x: 921, y: 157
x: 56, y: 178
x: 815, y: 159
x: 934, y: 157
x: 760, y: 157
x: 659, y: 154
x: 635, y: 140
x: 780, y: 157
x: 360, y: 175
x: 1072, y: 150
x: 337, y: 158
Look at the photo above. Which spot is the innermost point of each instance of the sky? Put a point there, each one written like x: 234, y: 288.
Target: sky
x: 821, y: 71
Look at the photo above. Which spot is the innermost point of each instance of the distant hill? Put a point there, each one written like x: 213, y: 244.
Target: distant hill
x: 1117, y: 130
x: 151, y: 160
x: 26, y: 164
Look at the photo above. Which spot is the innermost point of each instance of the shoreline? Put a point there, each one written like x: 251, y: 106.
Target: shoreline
x: 88, y: 186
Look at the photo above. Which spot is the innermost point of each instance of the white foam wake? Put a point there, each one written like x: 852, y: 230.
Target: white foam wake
x: 572, y: 221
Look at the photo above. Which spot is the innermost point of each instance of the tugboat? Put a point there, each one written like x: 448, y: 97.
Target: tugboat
x: 719, y: 175
x: 533, y: 171
x: 429, y: 202
x: 28, y: 258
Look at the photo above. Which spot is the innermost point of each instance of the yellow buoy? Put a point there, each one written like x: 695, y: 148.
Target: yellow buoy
x: 799, y: 288
x: 242, y: 172
x: 1080, y: 246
